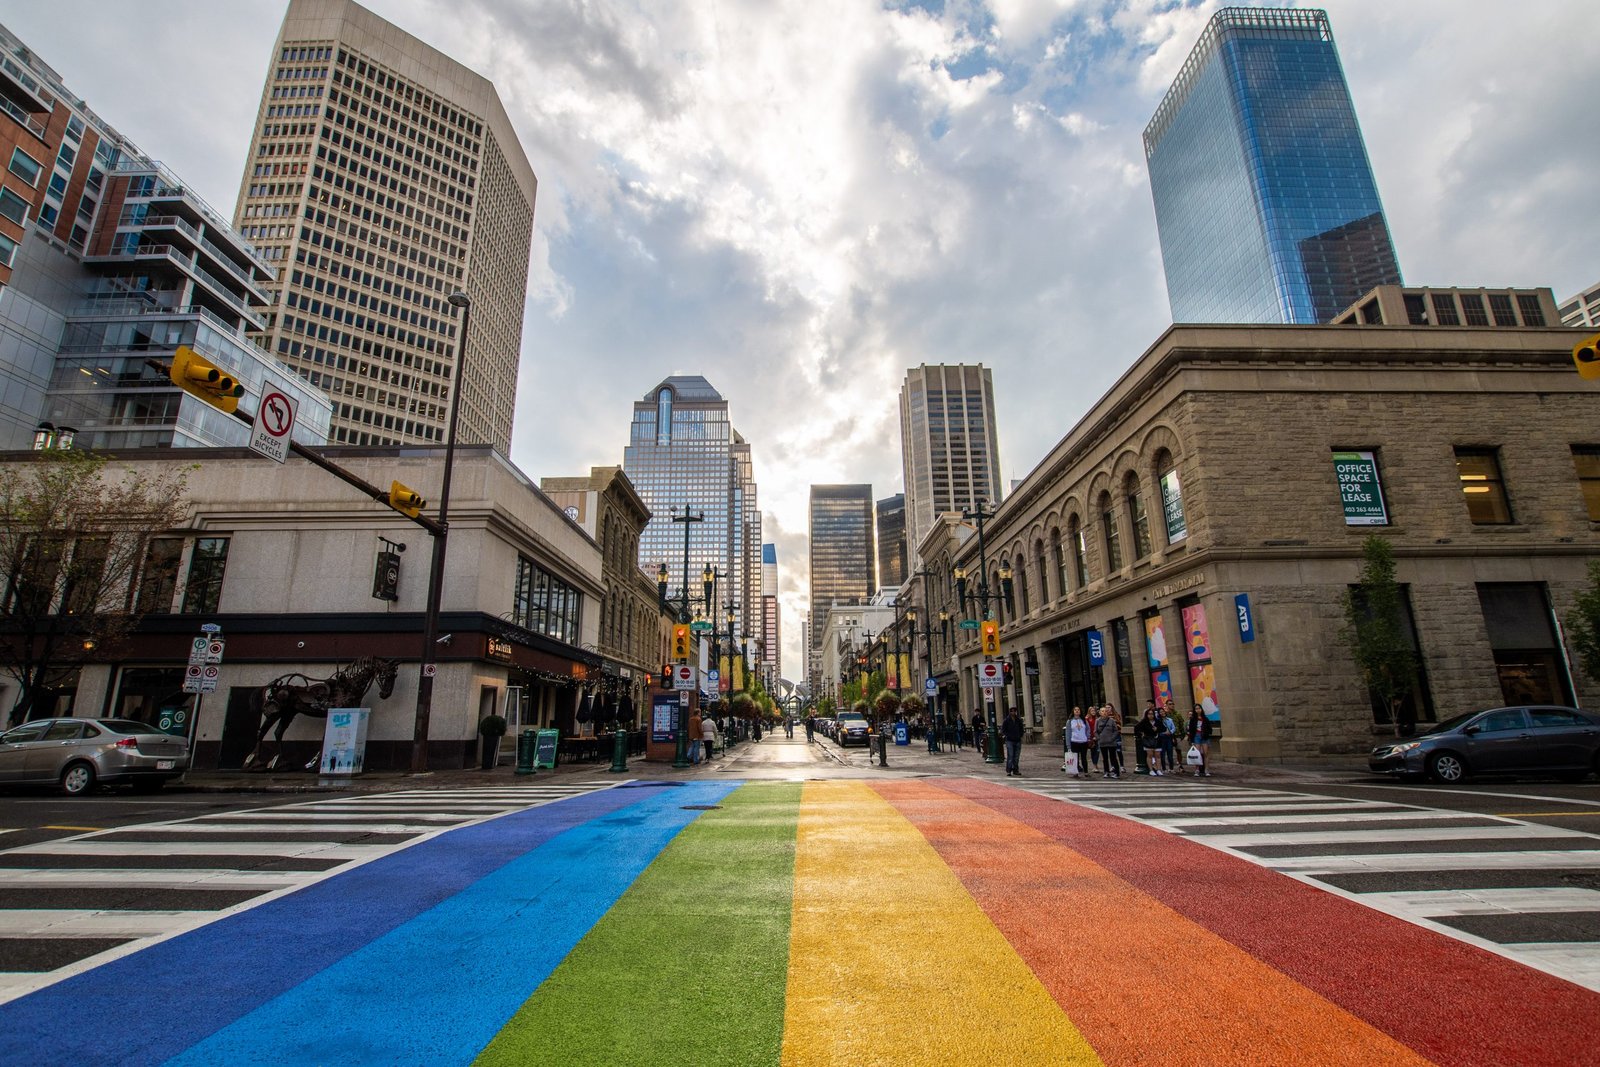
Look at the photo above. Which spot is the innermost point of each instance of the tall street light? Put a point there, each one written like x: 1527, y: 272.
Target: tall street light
x: 983, y: 595
x: 441, y: 540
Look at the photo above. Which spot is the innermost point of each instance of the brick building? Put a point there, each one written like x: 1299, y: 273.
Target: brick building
x: 1243, y: 467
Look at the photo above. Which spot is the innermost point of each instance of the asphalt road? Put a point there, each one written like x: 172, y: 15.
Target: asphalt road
x: 30, y: 817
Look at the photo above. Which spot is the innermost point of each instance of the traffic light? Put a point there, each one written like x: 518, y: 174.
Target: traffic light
x: 406, y: 500
x: 1586, y: 356
x: 666, y: 676
x: 680, y: 641
x: 199, y: 377
x: 1005, y: 672
x: 990, y: 637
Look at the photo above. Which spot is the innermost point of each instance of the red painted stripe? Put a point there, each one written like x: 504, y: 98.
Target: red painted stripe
x: 1455, y: 1003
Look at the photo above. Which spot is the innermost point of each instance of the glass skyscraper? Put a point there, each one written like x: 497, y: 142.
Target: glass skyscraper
x: 841, y: 551
x: 1265, y: 200
x: 684, y: 452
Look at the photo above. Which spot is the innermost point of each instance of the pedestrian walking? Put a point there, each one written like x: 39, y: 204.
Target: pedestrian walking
x: 1108, y: 738
x: 1078, y: 740
x: 1092, y: 717
x: 1147, y: 735
x: 694, y: 736
x: 1169, y: 740
x: 811, y: 729
x: 1011, y: 733
x: 708, y: 736
x: 977, y: 728
x: 1200, y: 739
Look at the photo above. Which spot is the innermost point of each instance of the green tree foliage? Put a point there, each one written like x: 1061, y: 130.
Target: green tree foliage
x: 1583, y: 623
x: 73, y: 539
x: 886, y: 703
x: 1375, y: 631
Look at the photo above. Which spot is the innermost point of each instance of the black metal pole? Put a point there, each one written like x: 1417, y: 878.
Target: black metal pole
x: 992, y: 740
x: 441, y: 540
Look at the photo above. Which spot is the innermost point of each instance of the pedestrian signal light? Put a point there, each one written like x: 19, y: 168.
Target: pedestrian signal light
x: 1586, y: 356
x: 200, y: 377
x: 1005, y: 671
x: 989, y: 632
x: 405, y: 500
x: 680, y: 641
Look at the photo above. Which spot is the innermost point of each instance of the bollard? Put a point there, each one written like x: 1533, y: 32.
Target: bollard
x: 883, y: 748
x: 527, y: 747
x: 619, y: 751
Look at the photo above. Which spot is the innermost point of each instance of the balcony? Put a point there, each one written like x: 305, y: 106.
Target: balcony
x: 215, y: 255
x: 17, y: 85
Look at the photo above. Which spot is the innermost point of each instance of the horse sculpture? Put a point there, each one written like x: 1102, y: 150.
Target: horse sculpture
x: 280, y: 700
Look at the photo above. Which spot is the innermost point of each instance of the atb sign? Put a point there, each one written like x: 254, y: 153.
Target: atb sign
x: 274, y: 421
x: 990, y: 676
x: 683, y: 677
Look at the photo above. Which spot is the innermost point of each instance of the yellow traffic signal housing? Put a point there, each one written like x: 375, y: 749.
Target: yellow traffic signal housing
x: 200, y: 377
x: 405, y: 500
x: 680, y: 641
x: 1586, y: 356
x: 990, y: 636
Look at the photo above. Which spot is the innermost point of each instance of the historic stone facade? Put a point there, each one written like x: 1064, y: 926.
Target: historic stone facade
x: 1209, y: 473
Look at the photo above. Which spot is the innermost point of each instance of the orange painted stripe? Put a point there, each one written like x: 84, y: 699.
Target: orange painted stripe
x: 1141, y: 982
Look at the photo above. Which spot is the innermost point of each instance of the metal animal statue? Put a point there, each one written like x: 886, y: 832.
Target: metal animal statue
x: 288, y: 695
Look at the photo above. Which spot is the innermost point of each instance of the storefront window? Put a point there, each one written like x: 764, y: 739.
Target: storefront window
x: 1197, y: 650
x: 203, y: 591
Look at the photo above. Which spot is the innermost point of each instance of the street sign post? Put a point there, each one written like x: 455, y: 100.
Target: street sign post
x: 683, y: 677
x: 990, y: 676
x: 700, y: 626
x: 969, y: 624
x: 274, y: 421
x: 930, y: 687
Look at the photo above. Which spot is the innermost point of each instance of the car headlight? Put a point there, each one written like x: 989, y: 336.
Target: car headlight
x: 1400, y: 750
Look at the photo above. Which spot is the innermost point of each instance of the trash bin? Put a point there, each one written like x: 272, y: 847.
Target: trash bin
x: 527, y: 746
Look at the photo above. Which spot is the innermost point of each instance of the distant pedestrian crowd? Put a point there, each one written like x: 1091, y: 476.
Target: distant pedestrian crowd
x: 1092, y: 741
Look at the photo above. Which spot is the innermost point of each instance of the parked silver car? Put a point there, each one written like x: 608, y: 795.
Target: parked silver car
x: 77, y: 753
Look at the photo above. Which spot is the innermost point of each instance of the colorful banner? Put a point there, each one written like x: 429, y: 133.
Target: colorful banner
x: 1203, y: 683
x: 1155, y: 641
x: 1196, y: 634
x: 1161, y: 686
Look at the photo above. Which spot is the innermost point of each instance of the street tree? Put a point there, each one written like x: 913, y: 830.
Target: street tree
x: 1583, y: 622
x: 1375, y: 631
x: 73, y: 537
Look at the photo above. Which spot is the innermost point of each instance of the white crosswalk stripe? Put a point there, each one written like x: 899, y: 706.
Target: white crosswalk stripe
x: 1527, y: 891
x: 70, y: 896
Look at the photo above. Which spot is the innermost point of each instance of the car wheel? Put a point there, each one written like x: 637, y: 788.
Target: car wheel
x: 77, y: 779
x: 1447, y: 768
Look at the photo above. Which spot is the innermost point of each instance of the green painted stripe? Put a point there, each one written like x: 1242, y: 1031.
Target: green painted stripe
x: 690, y: 966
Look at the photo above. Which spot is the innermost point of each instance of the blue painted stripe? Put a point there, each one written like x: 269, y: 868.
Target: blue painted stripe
x: 157, y: 1002
x: 436, y: 990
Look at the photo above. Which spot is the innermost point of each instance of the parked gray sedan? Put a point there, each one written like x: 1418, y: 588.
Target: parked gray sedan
x: 1533, y: 739
x: 76, y: 753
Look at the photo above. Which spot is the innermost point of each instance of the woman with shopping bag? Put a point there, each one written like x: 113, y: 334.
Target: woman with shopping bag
x: 1199, y: 742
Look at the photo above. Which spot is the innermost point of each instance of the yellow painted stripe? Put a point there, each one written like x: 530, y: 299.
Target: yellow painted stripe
x: 892, y: 962
x: 85, y: 829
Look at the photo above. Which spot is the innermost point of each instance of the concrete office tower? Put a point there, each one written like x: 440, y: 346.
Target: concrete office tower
x: 892, y: 569
x: 948, y: 445
x: 771, y: 622
x: 841, y: 550
x: 1582, y: 309
x: 384, y: 176
x: 684, y: 451
x: 1265, y: 200
x: 108, y: 259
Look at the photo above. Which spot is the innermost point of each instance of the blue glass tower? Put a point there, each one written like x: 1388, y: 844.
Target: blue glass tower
x: 1265, y: 200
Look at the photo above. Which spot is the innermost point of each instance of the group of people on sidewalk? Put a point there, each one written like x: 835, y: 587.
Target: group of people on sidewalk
x: 1094, y: 738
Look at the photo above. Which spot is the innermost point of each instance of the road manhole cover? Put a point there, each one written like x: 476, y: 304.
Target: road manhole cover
x: 702, y: 807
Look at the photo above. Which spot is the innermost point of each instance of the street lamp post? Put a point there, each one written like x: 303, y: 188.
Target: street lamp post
x: 441, y: 541
x: 983, y: 595
x: 927, y: 635
x: 680, y: 758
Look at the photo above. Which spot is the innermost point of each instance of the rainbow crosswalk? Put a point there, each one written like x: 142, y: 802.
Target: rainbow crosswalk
x: 934, y: 921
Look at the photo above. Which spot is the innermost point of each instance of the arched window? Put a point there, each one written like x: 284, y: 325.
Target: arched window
x: 1021, y: 581
x: 1043, y: 572
x: 1113, y: 535
x: 1080, y: 552
x: 1061, y: 560
x: 1177, y: 526
x: 1138, y: 517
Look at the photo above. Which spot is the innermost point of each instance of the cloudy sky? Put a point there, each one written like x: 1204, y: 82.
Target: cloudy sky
x: 799, y: 199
